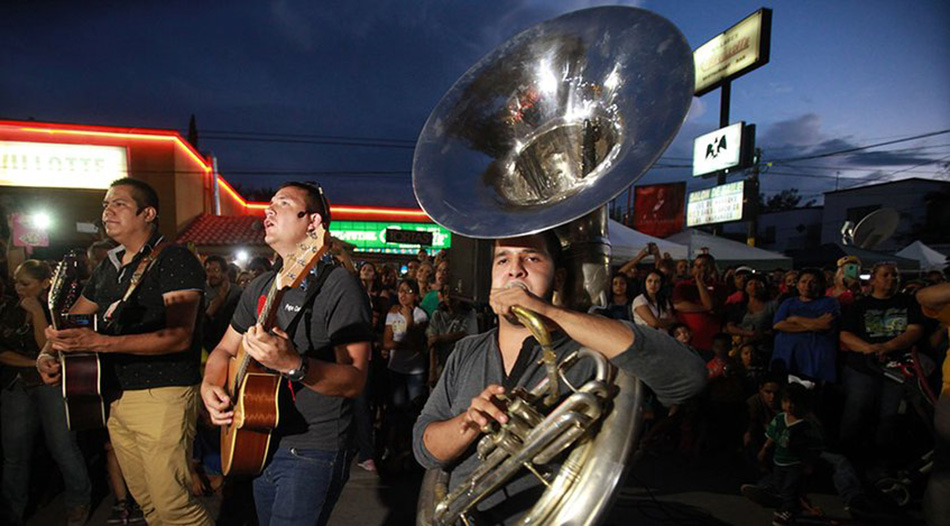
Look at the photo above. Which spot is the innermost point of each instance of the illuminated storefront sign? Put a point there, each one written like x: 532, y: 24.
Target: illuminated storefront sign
x: 38, y: 164
x: 735, y: 52
x: 715, y: 205
x: 717, y: 150
x: 370, y: 236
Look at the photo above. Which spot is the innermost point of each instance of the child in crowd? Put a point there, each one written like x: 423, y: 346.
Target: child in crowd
x: 795, y: 446
x: 721, y: 345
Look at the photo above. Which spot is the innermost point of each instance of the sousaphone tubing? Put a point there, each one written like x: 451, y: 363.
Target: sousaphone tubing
x: 540, y: 134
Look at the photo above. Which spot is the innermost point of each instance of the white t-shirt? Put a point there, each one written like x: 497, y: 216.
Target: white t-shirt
x: 406, y: 361
x: 642, y: 300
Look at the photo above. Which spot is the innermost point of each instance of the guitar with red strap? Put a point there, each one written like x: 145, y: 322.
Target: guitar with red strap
x: 81, y: 371
x: 254, y: 389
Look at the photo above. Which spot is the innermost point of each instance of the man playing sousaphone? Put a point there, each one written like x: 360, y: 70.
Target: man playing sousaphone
x: 153, y: 347
x: 525, y: 272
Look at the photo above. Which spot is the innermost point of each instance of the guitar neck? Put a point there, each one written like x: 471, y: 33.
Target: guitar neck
x: 267, y: 319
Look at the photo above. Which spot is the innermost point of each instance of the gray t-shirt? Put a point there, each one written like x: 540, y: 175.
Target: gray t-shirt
x: 673, y: 372
x: 341, y: 315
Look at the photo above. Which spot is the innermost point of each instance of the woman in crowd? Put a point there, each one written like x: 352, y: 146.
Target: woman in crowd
x: 806, y: 340
x: 653, y: 308
x: 26, y: 404
x: 404, y: 338
x: 751, y: 320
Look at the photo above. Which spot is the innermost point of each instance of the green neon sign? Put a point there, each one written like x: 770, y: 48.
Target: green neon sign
x: 370, y: 236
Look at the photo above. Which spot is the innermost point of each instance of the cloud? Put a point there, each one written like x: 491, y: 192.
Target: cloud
x: 804, y: 131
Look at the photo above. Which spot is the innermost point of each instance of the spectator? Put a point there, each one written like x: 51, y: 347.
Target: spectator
x: 431, y: 300
x: 739, y: 278
x: 805, y: 339
x: 450, y: 322
x: 795, y: 444
x: 698, y: 302
x: 716, y: 367
x: 681, y: 333
x: 222, y: 298
x: 244, y: 279
x: 788, y: 286
x: 423, y: 256
x: 629, y: 268
x: 618, y: 306
x: 878, y: 327
x: 405, y: 330
x: 762, y: 407
x: 423, y: 279
x: 751, y: 320
x: 681, y: 270
x: 847, y: 283
x: 259, y: 265
x: 26, y: 405
x: 653, y: 307
x: 411, y: 267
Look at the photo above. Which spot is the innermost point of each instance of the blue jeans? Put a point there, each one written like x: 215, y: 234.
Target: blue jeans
x: 24, y: 409
x: 404, y: 388
x: 870, y: 410
x: 300, y: 486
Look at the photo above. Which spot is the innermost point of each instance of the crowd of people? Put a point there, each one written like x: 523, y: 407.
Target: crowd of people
x: 810, y: 367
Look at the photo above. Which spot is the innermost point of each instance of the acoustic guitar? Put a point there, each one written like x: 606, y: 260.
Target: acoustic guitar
x: 253, y: 388
x: 81, y: 371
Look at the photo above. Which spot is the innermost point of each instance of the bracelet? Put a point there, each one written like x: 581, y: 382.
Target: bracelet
x: 42, y: 354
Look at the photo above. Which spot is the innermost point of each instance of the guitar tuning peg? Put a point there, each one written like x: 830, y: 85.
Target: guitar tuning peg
x: 292, y: 276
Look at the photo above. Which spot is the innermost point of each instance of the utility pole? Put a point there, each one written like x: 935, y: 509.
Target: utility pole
x: 753, y: 206
x: 725, y: 96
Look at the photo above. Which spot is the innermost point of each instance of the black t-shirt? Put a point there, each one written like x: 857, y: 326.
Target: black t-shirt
x: 175, y: 269
x: 341, y: 315
x: 877, y: 321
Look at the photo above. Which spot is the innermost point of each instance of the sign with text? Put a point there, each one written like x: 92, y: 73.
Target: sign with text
x: 658, y: 209
x: 50, y: 165
x: 718, y: 204
x: 718, y: 150
x: 380, y: 237
x: 735, y: 52
x: 408, y: 237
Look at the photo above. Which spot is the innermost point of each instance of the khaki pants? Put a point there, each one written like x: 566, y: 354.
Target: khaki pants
x: 152, y: 432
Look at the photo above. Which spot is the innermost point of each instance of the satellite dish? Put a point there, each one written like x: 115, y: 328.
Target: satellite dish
x: 876, y: 227
x: 847, y: 233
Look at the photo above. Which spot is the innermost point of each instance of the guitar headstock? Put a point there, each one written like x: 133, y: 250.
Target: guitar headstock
x: 298, y: 264
x: 64, y: 284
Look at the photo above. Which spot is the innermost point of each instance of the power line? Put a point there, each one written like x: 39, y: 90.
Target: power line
x: 306, y: 136
x: 310, y: 141
x: 859, y: 148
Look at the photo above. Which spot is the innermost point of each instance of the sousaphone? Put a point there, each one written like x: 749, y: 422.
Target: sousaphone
x: 539, y: 134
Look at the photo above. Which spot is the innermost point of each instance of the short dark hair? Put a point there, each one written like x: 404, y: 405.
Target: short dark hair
x: 142, y: 192
x: 314, y: 199
x: 817, y: 273
x: 260, y: 263
x: 214, y: 258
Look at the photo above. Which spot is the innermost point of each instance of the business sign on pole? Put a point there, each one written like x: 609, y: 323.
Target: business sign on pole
x: 658, y: 209
x: 718, y: 150
x: 61, y: 165
x: 718, y: 204
x: 735, y: 52
x: 382, y: 237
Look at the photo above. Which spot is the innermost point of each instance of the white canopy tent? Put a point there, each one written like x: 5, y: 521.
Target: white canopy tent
x: 929, y: 258
x: 626, y: 243
x: 728, y: 252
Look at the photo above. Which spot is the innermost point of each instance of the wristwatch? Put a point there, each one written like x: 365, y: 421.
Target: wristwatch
x: 298, y: 373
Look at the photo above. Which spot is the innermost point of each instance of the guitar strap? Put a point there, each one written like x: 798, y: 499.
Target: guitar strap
x: 314, y: 284
x: 137, y: 276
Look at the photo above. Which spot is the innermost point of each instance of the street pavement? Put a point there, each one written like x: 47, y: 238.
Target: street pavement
x: 664, y: 489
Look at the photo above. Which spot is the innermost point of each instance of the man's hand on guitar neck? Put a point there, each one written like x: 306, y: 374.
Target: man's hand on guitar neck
x: 73, y: 340
x: 273, y: 350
